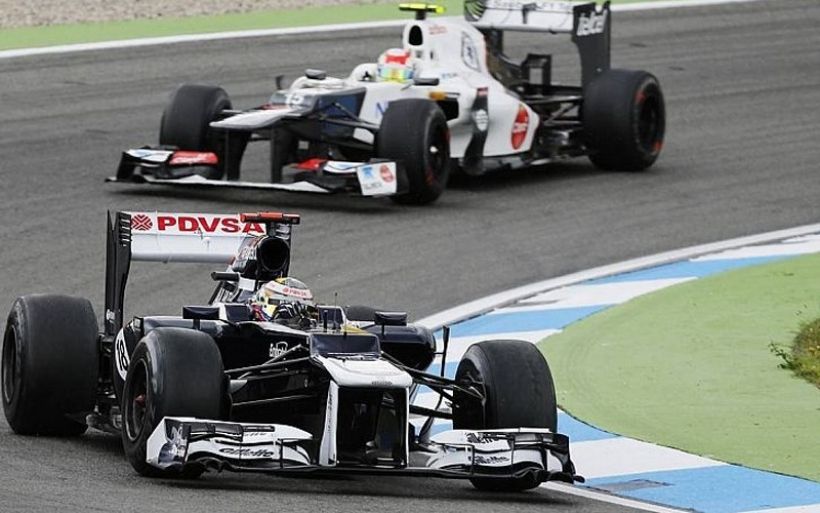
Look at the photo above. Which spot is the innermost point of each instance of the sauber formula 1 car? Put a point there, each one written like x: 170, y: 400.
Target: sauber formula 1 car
x: 215, y: 388
x: 449, y: 98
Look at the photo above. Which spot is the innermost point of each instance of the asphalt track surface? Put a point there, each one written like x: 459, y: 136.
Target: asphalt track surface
x: 742, y: 85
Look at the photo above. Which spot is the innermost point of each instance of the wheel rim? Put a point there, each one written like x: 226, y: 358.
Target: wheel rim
x: 437, y: 154
x: 10, y: 368
x: 649, y: 123
x: 136, y: 400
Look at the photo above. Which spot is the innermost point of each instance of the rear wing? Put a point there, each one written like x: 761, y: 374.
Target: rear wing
x: 174, y: 237
x: 588, y: 25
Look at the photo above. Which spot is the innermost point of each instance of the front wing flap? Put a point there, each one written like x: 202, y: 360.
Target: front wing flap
x: 281, y: 449
x: 196, y: 169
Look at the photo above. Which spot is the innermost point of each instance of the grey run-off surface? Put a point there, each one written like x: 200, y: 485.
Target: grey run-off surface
x: 743, y: 89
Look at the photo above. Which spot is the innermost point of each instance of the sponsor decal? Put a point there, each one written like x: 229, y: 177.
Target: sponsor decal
x: 437, y: 29
x: 490, y: 460
x: 277, y: 349
x: 141, y: 223
x: 205, y: 224
x: 302, y: 293
x: 263, y: 430
x: 311, y: 164
x: 591, y: 24
x: 520, y: 127
x: 375, y: 183
x: 481, y: 120
x: 191, y: 158
x: 469, y: 53
x: 478, y: 439
x: 121, y: 357
x: 247, y: 452
x: 386, y: 174
x: 248, y: 251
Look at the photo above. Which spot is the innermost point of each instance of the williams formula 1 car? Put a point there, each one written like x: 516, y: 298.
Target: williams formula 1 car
x: 219, y: 388
x: 448, y: 99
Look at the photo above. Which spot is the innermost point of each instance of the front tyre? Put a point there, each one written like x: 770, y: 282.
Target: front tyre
x: 519, y: 393
x: 414, y: 132
x: 624, y: 120
x: 186, y: 124
x: 50, y: 364
x: 173, y: 372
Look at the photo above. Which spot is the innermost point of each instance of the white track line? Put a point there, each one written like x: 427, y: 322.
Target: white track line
x: 241, y: 34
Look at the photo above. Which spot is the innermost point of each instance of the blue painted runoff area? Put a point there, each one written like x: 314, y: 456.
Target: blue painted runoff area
x: 718, y: 489
x: 686, y: 269
x: 578, y: 431
x: 498, y: 323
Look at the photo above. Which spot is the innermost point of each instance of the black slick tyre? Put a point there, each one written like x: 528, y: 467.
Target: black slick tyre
x: 189, y: 112
x: 624, y: 120
x: 414, y: 133
x: 49, y: 365
x: 519, y: 393
x: 186, y: 124
x: 173, y: 372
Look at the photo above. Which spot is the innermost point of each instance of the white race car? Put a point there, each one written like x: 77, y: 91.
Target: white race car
x: 448, y: 99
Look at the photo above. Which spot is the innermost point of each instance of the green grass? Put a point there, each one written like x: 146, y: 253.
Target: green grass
x: 29, y: 37
x: 691, y: 367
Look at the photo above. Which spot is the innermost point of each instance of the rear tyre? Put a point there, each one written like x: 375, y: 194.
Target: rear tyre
x: 49, y: 365
x: 186, y: 123
x: 173, y: 372
x: 624, y: 120
x: 414, y: 132
x: 519, y: 393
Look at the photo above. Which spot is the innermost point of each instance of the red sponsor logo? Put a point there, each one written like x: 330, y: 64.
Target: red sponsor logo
x: 141, y: 222
x: 386, y: 174
x: 190, y: 158
x: 206, y: 224
x: 311, y: 164
x: 520, y: 127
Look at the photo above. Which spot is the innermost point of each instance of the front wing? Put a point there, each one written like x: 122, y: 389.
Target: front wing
x: 192, y: 169
x: 280, y: 449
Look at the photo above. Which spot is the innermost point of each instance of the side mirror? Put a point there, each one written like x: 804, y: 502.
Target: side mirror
x: 316, y: 74
x: 426, y: 81
x: 203, y: 313
x: 390, y: 318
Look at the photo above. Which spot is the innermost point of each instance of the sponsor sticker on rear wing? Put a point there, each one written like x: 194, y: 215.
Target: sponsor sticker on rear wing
x: 176, y: 237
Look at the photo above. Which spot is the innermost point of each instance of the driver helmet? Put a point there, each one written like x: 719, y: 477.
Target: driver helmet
x: 395, y: 65
x: 285, y: 301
